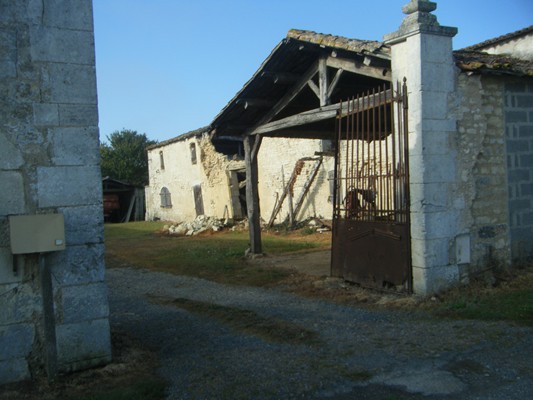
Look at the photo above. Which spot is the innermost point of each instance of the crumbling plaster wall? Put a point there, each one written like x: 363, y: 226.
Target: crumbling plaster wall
x: 276, y: 161
x: 180, y: 175
x: 482, y: 180
x: 49, y: 163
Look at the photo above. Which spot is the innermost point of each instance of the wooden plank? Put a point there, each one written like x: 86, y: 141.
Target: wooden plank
x: 323, y: 82
x: 252, y: 195
x: 312, y: 85
x: 285, y: 100
x: 256, y: 103
x: 320, y: 114
x: 359, y: 68
x: 307, y: 185
x: 281, y: 78
x: 334, y: 82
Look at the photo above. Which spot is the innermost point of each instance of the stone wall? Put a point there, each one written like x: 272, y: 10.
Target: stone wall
x: 518, y: 110
x: 49, y: 163
x: 179, y: 174
x: 482, y: 172
x: 214, y: 173
x: 276, y: 161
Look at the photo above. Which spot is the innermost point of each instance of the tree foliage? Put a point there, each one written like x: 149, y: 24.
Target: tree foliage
x: 125, y: 158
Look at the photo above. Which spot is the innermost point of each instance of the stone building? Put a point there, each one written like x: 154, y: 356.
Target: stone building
x: 468, y: 124
x: 196, y: 174
x: 54, y: 309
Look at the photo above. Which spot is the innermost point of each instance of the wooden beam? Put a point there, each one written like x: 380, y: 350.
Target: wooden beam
x: 256, y: 103
x: 334, y: 82
x: 281, y: 78
x: 252, y: 194
x: 312, y: 85
x: 360, y: 68
x: 285, y: 100
x: 323, y: 82
x: 319, y: 114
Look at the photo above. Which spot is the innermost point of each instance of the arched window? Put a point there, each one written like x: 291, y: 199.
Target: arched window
x: 161, y: 159
x: 166, y: 201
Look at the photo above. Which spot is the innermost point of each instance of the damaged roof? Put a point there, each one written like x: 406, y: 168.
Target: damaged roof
x: 498, y: 64
x: 185, y: 136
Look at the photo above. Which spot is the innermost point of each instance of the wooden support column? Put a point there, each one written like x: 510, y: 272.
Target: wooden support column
x: 251, y: 148
x: 323, y: 82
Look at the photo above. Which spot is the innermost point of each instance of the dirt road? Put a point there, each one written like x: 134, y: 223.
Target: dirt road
x: 222, y: 342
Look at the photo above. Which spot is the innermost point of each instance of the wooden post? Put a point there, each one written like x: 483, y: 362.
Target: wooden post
x: 48, y: 318
x: 251, y: 148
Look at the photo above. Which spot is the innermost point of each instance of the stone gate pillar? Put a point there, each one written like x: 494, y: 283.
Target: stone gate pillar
x: 421, y: 51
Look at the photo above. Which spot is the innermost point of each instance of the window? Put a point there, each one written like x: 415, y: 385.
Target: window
x: 193, y: 153
x: 166, y: 201
x: 198, y: 200
x: 161, y: 160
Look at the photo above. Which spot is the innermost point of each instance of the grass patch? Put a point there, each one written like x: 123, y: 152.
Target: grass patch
x: 218, y: 257
x: 249, y: 322
x: 511, y: 300
x: 514, y: 306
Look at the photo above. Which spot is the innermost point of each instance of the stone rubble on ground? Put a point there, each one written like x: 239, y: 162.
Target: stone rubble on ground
x: 201, y: 223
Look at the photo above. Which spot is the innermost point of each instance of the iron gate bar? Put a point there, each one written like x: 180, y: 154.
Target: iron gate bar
x: 371, y: 238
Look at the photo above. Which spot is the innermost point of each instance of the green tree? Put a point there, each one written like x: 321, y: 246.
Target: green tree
x: 125, y: 158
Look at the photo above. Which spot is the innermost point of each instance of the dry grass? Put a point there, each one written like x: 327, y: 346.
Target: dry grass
x: 249, y: 322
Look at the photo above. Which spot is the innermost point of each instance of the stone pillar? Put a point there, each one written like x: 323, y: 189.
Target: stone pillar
x: 50, y: 163
x: 421, y: 51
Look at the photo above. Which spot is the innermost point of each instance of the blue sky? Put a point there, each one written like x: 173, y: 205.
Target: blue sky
x: 166, y: 67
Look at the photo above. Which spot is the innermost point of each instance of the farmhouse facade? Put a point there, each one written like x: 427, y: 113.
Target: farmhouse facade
x: 53, y: 297
x: 464, y: 145
x: 194, y: 174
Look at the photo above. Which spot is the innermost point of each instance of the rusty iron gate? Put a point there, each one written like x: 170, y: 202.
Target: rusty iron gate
x: 371, y: 239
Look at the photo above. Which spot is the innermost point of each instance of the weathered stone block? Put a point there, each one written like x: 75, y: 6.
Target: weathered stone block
x: 70, y: 83
x: 74, y: 146
x: 78, y: 115
x: 12, y: 194
x: 432, y: 280
x: 45, y: 114
x: 60, y: 45
x: 83, y: 303
x: 83, y: 225
x: 7, y: 275
x: 526, y: 160
x: 84, y: 344
x: 16, y: 341
x: 13, y: 370
x: 74, y: 14
x: 19, y: 303
x: 69, y: 186
x: 78, y: 264
x: 10, y: 155
x: 8, y: 69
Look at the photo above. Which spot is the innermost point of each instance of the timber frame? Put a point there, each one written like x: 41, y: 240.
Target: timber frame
x: 297, y: 92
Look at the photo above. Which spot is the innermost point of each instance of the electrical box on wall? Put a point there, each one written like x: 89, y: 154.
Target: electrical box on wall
x: 37, y: 233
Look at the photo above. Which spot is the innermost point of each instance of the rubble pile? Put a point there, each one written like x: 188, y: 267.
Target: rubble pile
x: 201, y: 224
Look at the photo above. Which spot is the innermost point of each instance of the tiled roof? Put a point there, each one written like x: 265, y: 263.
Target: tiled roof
x: 185, y: 136
x: 480, y: 62
x: 339, y: 42
x: 499, y: 39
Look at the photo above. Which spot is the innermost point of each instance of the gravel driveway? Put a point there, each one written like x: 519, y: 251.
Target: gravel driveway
x: 357, y: 354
